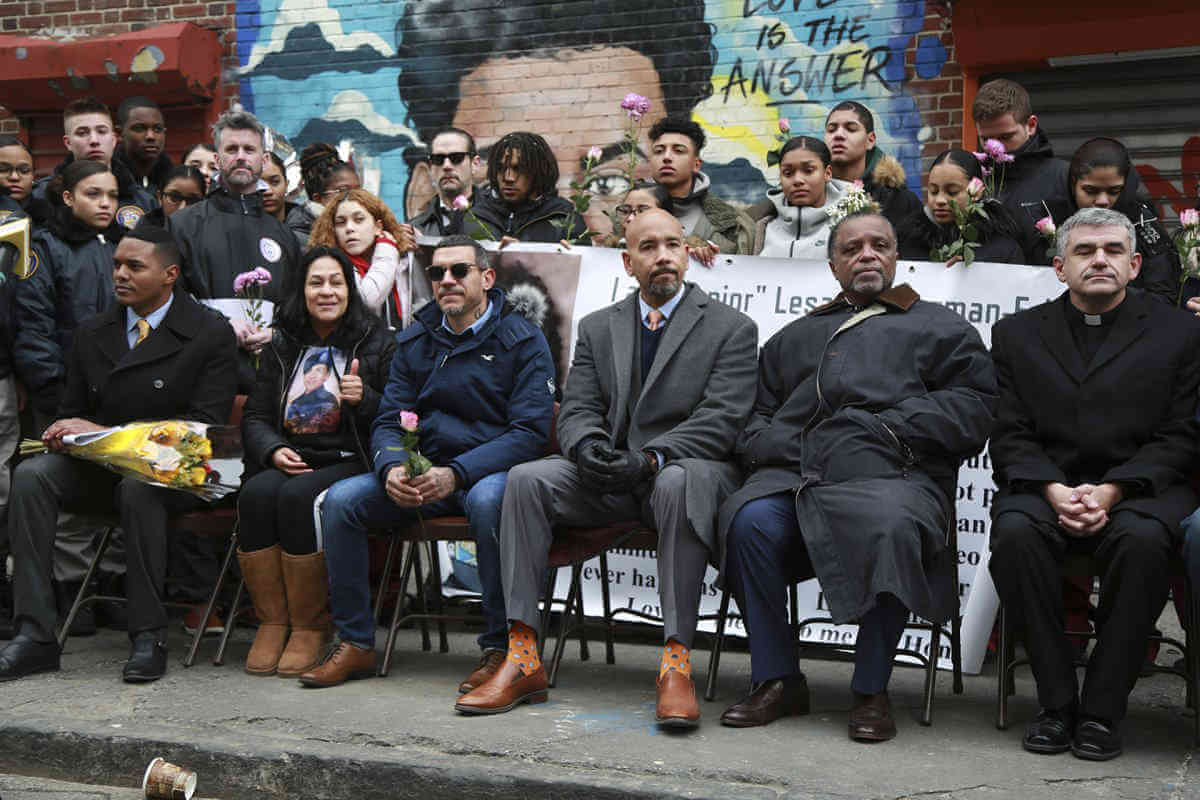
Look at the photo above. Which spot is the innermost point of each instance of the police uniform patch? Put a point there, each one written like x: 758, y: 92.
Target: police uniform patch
x: 33, y: 265
x: 270, y: 249
x: 129, y: 216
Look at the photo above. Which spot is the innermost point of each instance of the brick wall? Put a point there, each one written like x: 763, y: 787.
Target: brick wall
x: 327, y: 70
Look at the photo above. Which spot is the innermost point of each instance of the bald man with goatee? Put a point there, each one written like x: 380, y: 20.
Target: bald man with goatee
x: 661, y: 384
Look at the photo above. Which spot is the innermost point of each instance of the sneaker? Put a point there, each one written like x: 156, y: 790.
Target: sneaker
x: 214, y: 627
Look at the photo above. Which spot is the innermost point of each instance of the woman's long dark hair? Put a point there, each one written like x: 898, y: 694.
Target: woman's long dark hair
x: 292, y: 314
x: 999, y: 220
x: 182, y: 171
x: 1103, y: 152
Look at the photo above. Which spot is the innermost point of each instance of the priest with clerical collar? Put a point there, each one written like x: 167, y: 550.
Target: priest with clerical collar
x: 1095, y: 439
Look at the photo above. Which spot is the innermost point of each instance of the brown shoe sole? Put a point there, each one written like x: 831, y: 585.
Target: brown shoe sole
x: 353, y: 676
x: 540, y: 696
x: 261, y: 673
x: 871, y: 736
x: 680, y: 723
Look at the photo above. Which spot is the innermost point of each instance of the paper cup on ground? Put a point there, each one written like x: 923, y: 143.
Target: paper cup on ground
x: 166, y: 781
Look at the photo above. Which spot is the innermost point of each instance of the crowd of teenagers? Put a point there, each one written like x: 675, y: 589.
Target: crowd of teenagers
x: 742, y: 457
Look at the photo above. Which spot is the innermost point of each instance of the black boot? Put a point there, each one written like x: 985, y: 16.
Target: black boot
x: 147, y: 657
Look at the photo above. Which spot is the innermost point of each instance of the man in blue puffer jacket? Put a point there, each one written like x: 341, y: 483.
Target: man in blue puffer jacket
x: 479, y: 377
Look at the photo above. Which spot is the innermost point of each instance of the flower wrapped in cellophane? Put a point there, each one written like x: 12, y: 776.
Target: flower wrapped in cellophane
x: 204, y: 460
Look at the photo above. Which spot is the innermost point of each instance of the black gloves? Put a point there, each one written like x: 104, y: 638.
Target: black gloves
x: 611, y: 471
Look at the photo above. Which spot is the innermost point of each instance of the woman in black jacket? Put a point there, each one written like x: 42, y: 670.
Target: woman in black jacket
x: 181, y: 187
x: 1101, y: 175
x: 926, y: 231
x: 306, y: 426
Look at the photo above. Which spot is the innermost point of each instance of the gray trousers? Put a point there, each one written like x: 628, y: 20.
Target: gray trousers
x: 47, y: 483
x: 543, y: 494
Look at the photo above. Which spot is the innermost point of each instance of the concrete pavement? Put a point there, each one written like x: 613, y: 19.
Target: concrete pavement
x: 399, y: 737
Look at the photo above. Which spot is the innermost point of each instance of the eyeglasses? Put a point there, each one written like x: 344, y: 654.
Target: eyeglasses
x: 626, y: 210
x: 459, y: 271
x: 19, y: 169
x: 437, y: 159
x: 180, y: 197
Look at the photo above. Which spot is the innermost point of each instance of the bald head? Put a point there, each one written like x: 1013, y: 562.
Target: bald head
x: 655, y: 254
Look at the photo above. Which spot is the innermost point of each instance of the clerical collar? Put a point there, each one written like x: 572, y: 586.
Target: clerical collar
x: 1101, y: 320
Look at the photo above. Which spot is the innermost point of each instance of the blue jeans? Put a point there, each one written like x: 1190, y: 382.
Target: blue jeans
x: 356, y: 504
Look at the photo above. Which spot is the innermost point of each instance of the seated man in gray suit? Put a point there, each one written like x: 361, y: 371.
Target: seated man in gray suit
x: 661, y: 384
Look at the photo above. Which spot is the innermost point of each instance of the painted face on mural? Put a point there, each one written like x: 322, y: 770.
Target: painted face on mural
x: 847, y: 139
x: 496, y: 99
x: 90, y: 137
x: 240, y: 158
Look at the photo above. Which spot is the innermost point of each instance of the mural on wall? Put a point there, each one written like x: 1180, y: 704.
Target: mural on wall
x: 380, y: 76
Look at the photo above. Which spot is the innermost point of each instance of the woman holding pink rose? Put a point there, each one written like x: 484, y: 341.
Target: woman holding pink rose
x: 305, y: 427
x: 955, y: 194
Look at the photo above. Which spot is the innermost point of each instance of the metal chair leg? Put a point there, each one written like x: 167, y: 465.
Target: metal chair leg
x: 931, y: 669
x: 956, y: 652
x: 388, y: 564
x: 714, y: 658
x: 581, y: 618
x: 414, y: 550
x: 435, y: 569
x: 105, y: 538
x: 609, y: 654
x: 219, y: 658
x: 1003, y: 672
x: 564, y: 631
x: 226, y: 563
x: 1192, y: 642
x: 397, y: 613
x: 794, y: 603
x: 548, y: 597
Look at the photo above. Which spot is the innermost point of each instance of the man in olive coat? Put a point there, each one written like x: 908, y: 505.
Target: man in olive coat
x: 864, y: 410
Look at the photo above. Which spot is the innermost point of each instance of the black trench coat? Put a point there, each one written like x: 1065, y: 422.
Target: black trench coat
x: 867, y: 424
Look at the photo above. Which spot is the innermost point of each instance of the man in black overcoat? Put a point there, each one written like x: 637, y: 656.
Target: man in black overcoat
x: 155, y: 355
x: 1095, y: 436
x: 864, y: 410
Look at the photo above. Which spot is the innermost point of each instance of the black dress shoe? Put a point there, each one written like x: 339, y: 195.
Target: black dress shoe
x: 1050, y: 732
x: 1096, y: 741
x: 147, y: 658
x: 24, y: 656
x: 769, y: 701
x: 871, y: 718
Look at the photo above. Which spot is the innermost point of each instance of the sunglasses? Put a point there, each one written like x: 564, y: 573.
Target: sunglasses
x: 180, y: 197
x: 626, y: 210
x: 459, y: 271
x: 437, y: 159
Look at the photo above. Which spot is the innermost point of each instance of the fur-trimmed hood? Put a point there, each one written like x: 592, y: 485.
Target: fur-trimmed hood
x: 884, y: 170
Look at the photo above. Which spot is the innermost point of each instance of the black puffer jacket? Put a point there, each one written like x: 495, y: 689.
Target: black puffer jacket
x: 884, y: 180
x: 532, y: 222
x: 228, y: 234
x: 262, y: 420
x: 71, y: 280
x: 158, y: 170
x: 1161, y: 269
x: 133, y: 200
x: 919, y: 236
x: 1027, y: 185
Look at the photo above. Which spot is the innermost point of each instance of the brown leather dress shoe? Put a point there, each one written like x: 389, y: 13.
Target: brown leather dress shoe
x: 345, y: 663
x: 871, y: 718
x: 677, y: 706
x: 488, y: 664
x: 505, y: 690
x: 769, y: 701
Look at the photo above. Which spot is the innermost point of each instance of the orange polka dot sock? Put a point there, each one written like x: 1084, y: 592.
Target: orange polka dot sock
x: 675, y: 657
x: 522, y: 648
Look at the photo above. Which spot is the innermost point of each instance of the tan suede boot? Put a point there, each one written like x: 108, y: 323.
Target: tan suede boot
x: 263, y: 573
x: 308, y: 607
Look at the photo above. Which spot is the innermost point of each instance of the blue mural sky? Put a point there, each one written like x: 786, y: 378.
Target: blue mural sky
x: 328, y: 72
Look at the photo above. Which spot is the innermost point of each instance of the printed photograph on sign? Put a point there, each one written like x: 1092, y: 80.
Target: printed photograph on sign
x: 314, y: 399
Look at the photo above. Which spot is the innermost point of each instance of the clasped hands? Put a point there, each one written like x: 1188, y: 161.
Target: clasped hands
x: 435, y: 484
x: 612, y: 471
x: 1082, y: 510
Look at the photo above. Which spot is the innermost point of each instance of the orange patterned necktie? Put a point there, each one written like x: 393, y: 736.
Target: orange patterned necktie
x: 143, y: 331
x: 654, y: 319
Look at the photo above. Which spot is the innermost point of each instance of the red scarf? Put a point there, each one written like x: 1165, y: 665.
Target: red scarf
x: 361, y: 265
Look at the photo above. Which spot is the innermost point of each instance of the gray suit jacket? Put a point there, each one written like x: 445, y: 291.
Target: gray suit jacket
x: 695, y: 401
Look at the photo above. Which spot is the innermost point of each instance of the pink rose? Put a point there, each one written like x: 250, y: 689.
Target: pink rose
x: 409, y: 421
x: 636, y: 105
x: 857, y: 186
x: 981, y: 157
x: 1045, y: 226
x: 975, y: 188
x: 784, y: 125
x: 994, y: 148
x: 594, y: 153
x: 461, y: 203
x: 1189, y: 217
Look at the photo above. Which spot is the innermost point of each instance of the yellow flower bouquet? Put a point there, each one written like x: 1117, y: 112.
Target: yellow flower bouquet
x: 204, y: 460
